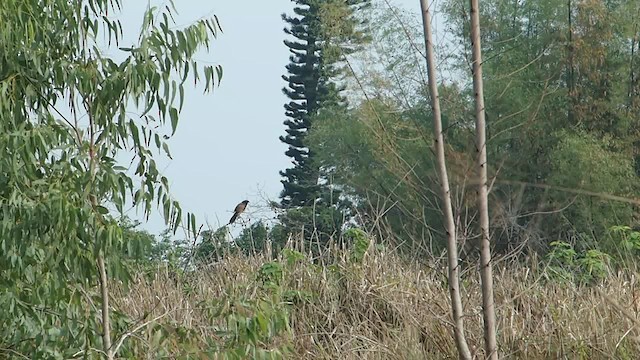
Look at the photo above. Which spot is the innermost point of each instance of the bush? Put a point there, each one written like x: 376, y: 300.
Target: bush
x: 565, y: 264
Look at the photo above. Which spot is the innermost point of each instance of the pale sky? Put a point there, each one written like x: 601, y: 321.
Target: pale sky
x: 226, y: 148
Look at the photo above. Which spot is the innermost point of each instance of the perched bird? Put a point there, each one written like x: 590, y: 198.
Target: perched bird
x: 238, y: 210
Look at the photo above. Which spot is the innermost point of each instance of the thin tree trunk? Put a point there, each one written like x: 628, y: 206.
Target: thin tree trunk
x: 452, y: 246
x: 631, y: 91
x: 106, y: 324
x: 104, y: 286
x: 571, y: 81
x: 486, y: 276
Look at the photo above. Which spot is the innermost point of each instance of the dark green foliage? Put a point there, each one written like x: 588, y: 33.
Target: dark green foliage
x: 146, y: 243
x: 566, y: 264
x: 582, y: 161
x: 253, y: 239
x: 273, y: 276
x: 561, y: 110
x: 317, y: 225
x: 212, y: 247
x: 311, y: 87
x: 270, y: 274
x: 379, y: 152
x: 172, y: 252
x: 359, y: 243
x: 250, y: 326
x: 323, y: 34
x: 627, y: 238
x: 215, y: 245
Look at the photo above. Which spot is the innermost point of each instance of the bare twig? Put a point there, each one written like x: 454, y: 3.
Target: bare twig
x: 134, y: 330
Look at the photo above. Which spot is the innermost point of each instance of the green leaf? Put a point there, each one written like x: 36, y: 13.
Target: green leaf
x: 192, y: 219
x: 165, y: 147
x: 173, y: 113
x: 219, y: 72
x: 102, y: 210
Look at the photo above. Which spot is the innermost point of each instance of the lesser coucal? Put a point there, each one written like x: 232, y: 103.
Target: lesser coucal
x: 238, y: 210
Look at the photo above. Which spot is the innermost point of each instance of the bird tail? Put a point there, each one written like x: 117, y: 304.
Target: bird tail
x: 233, y: 218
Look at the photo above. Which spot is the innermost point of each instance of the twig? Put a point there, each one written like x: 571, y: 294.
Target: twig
x: 129, y: 333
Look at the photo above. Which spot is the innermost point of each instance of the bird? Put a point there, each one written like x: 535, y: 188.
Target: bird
x: 238, y: 210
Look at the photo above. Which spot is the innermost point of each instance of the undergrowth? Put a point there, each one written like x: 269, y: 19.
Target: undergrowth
x: 368, y: 303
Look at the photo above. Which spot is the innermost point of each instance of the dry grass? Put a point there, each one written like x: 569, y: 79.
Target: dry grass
x: 385, y: 308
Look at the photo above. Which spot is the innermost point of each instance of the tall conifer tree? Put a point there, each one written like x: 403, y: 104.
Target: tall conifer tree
x: 311, y: 88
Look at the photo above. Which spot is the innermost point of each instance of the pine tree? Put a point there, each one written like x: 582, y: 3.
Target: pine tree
x: 310, y: 88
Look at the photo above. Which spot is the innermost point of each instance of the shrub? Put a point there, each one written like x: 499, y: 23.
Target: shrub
x: 565, y: 264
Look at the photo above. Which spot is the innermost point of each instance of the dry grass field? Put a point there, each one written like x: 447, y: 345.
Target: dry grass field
x: 381, y: 307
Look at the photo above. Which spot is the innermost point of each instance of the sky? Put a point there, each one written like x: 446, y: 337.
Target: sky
x: 226, y: 148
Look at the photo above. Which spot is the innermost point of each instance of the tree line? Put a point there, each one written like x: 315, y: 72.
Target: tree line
x: 561, y: 90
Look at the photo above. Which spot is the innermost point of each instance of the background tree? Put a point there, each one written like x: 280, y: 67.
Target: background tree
x: 312, y: 87
x: 214, y: 245
x: 380, y: 149
x: 550, y: 81
x: 309, y: 89
x: 531, y: 48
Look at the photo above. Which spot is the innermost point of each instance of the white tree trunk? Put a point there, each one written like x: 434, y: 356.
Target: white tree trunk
x: 452, y: 246
x: 106, y: 324
x: 486, y: 276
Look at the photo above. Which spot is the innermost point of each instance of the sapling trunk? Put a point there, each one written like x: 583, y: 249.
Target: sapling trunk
x: 452, y: 246
x: 486, y: 276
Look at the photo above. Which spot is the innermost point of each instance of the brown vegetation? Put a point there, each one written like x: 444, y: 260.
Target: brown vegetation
x: 387, y: 308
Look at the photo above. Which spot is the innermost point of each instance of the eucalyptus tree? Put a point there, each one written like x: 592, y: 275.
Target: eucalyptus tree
x: 68, y: 110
